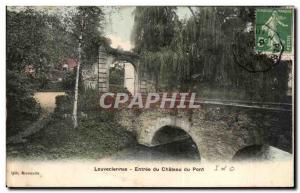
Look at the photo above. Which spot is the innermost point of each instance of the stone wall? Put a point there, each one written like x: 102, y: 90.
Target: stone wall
x: 219, y: 131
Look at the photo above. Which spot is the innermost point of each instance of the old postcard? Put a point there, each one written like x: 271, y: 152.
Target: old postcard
x: 150, y: 96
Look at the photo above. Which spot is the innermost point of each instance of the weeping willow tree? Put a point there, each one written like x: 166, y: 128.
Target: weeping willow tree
x: 205, y: 51
x: 153, y: 28
x: 153, y: 33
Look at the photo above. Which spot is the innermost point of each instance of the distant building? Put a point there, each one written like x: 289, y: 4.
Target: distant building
x: 68, y: 64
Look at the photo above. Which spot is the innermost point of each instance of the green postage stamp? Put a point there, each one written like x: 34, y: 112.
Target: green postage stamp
x: 274, y: 30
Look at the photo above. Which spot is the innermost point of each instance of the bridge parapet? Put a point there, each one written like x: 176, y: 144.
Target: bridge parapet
x: 218, y: 131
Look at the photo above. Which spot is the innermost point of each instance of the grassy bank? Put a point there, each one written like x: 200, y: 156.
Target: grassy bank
x: 59, y: 140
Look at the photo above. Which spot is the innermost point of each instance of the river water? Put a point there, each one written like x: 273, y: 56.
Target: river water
x: 184, y: 150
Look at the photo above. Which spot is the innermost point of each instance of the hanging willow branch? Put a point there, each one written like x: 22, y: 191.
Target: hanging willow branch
x: 193, y: 13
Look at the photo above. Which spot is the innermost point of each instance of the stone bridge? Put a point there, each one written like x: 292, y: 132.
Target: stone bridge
x: 220, y: 129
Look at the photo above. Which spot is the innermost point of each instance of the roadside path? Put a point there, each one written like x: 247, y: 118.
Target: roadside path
x: 47, y: 102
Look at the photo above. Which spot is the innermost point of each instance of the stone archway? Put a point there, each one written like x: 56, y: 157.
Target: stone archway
x: 176, y: 142
x: 168, y: 134
x: 150, y: 127
x: 261, y: 152
x: 107, y: 58
x: 251, y: 152
x: 149, y: 133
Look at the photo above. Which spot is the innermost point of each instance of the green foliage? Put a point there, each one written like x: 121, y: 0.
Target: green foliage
x: 26, y: 40
x: 153, y: 27
x: 38, y: 41
x: 25, y: 47
x: 69, y: 80
x: 206, y: 51
x: 89, y: 21
x: 116, y: 77
x: 93, y: 139
x: 163, y: 66
x: 63, y: 105
x: 88, y: 103
x: 22, y: 109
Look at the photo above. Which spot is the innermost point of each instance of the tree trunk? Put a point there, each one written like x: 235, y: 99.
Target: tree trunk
x: 75, y: 121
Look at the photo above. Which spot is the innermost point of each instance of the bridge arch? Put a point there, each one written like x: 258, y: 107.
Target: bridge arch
x: 251, y: 152
x: 247, y: 151
x: 167, y: 130
x: 178, y: 141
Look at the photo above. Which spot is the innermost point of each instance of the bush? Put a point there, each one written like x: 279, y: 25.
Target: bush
x: 22, y: 109
x: 64, y: 105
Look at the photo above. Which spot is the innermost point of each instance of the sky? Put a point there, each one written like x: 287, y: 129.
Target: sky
x: 119, y: 24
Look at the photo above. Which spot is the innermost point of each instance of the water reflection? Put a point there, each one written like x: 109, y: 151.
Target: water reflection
x: 184, y: 150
